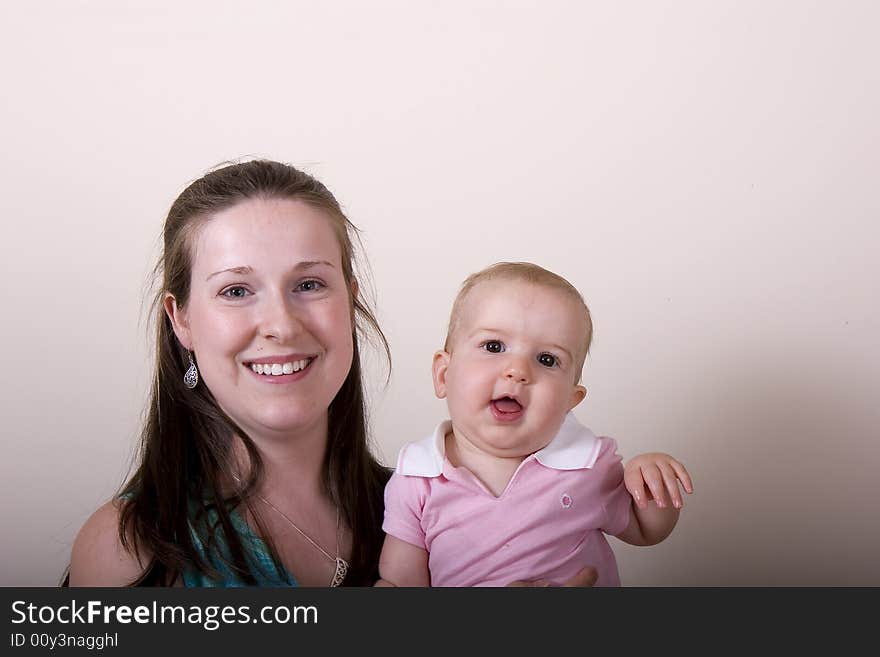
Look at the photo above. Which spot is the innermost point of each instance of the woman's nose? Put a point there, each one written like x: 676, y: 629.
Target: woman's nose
x: 280, y: 321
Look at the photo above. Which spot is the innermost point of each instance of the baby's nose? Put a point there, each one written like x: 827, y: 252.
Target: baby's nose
x: 517, y: 371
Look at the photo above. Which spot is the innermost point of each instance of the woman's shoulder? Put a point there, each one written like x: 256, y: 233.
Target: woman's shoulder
x: 98, y: 557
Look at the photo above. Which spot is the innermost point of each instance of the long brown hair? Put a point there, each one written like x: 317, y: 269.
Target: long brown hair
x: 187, y: 438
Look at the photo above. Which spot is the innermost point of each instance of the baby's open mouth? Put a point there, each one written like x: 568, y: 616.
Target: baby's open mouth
x: 507, y: 405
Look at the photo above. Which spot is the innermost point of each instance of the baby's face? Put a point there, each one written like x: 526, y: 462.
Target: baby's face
x: 511, y: 375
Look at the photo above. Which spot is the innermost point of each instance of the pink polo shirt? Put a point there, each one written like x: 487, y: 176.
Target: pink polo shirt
x: 549, y: 522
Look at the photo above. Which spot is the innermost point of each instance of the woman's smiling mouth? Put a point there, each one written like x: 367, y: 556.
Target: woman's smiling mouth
x: 281, y: 368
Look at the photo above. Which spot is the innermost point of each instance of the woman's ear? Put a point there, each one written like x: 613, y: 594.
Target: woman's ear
x: 438, y: 371
x: 353, y: 286
x: 179, y: 321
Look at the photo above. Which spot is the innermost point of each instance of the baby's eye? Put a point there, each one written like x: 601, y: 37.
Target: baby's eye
x: 235, y: 292
x: 548, y: 360
x: 309, y: 286
x: 493, y: 346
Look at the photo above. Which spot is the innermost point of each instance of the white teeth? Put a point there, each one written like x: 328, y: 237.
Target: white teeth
x: 277, y: 369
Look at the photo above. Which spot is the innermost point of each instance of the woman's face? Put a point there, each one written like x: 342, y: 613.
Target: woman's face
x: 269, y: 315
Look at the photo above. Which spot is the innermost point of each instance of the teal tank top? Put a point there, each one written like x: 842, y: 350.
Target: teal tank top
x: 258, y: 558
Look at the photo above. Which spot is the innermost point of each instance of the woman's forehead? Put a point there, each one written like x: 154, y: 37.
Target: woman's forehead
x: 264, y: 230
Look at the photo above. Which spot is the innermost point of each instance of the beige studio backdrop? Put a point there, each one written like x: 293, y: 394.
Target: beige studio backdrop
x: 705, y: 172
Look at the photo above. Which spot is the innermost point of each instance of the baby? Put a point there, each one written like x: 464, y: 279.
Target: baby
x: 514, y: 488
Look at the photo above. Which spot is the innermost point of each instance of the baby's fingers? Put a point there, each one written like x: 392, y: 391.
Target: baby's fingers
x: 682, y: 474
x: 671, y: 483
x: 635, y: 484
x: 654, y: 480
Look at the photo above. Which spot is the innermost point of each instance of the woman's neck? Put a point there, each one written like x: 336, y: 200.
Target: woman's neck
x: 292, y: 464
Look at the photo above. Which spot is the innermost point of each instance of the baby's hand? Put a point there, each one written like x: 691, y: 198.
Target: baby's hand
x: 656, y: 476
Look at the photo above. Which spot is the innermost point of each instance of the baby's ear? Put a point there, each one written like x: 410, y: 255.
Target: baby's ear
x: 577, y: 396
x: 438, y: 370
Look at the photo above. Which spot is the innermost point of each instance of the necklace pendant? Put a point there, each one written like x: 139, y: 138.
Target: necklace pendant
x: 341, y: 572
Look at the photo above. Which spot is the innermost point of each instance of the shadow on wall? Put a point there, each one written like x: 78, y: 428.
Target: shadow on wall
x: 785, y: 466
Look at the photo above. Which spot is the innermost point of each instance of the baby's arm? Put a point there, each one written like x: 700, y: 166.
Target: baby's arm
x: 403, y: 564
x: 654, y: 477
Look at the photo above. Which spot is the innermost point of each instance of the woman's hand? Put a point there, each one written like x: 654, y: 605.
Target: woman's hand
x: 586, y: 576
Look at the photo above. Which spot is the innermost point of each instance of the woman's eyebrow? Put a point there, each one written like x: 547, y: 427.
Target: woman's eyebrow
x: 245, y: 269
x: 311, y: 264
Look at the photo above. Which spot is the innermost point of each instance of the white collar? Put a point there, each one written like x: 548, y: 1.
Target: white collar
x: 574, y: 447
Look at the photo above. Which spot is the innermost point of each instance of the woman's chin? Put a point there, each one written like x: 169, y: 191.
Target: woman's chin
x: 285, y: 422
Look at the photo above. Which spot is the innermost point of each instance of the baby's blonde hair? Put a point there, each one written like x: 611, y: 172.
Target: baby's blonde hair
x: 525, y: 272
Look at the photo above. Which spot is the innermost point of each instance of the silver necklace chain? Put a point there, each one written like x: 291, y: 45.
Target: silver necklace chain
x: 341, y: 564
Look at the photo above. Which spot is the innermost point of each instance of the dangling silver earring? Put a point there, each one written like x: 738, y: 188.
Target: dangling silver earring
x: 191, y: 378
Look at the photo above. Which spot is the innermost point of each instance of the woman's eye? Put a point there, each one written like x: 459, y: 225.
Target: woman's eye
x: 235, y: 292
x: 493, y: 347
x: 309, y: 286
x: 547, y: 360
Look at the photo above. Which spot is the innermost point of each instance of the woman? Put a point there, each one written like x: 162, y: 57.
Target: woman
x: 254, y: 468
